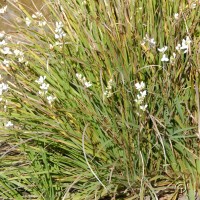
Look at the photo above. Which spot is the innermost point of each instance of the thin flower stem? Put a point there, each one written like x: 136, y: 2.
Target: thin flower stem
x: 85, y: 156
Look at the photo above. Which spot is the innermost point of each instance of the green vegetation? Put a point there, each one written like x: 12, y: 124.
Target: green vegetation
x: 93, y: 110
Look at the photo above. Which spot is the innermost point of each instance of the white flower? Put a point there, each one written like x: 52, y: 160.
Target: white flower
x: 143, y: 93
x: 193, y: 5
x: 79, y: 76
x: 3, y: 87
x: 2, y: 43
x: 82, y: 79
x: 140, y: 86
x: 59, y: 31
x: 185, y: 44
x: 162, y: 50
x: 6, y: 62
x: 178, y: 47
x: 42, y: 23
x: 50, y: 99
x: 143, y: 107
x: 88, y: 84
x: 44, y: 86
x: 41, y: 80
x: 152, y: 42
x: 3, y: 9
x: 37, y: 15
x: 60, y: 35
x: 20, y: 59
x: 176, y: 16
x: 164, y: 58
x: 27, y: 21
x: 18, y: 52
x: 59, y: 25
x: 6, y: 50
x: 2, y: 34
x: 8, y: 124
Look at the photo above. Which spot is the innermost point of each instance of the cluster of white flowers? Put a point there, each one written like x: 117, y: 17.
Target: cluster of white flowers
x: 184, y: 46
x: 4, y: 49
x: 141, y: 96
x: 59, y: 33
x: 164, y: 57
x: 38, y: 17
x: 8, y: 52
x: 82, y: 79
x: 44, y: 89
x: 151, y: 42
x: 108, y: 91
x: 19, y: 54
x: 3, y: 9
x: 43, y: 86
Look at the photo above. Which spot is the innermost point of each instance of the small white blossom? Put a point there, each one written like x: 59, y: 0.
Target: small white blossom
x: 6, y: 50
x: 185, y: 44
x: 164, y: 58
x: 42, y: 23
x: 41, y: 80
x: 3, y: 9
x: 143, y: 107
x: 3, y: 88
x: 37, y: 15
x: 8, y: 124
x: 178, y: 47
x: 143, y: 93
x: 193, y: 5
x: 2, y: 34
x: 27, y: 21
x: 6, y: 62
x: 18, y: 52
x: 141, y: 96
x: 59, y: 31
x: 82, y: 79
x: 79, y: 76
x: 88, y: 84
x: 3, y: 43
x: 50, y: 99
x: 162, y: 50
x: 44, y: 86
x: 152, y: 42
x: 21, y: 59
x: 176, y: 16
x: 140, y: 86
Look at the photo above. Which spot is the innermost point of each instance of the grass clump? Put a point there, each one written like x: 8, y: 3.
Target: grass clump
x: 97, y: 107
